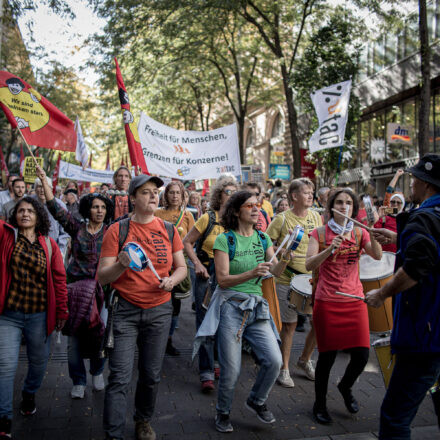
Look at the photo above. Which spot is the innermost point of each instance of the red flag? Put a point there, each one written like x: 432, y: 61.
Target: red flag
x: 107, y: 165
x: 134, y: 144
x: 56, y: 173
x: 41, y: 123
x: 205, y: 187
x: 80, y: 187
x: 21, y: 160
x: 37, y: 153
x: 3, y: 164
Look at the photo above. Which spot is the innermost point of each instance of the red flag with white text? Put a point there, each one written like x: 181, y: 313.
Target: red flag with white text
x: 55, y: 174
x: 41, y: 123
x: 134, y: 144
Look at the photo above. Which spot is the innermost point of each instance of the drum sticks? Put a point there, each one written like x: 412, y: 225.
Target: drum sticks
x: 353, y: 220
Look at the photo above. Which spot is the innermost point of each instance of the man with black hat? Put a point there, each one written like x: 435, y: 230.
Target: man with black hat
x: 415, y: 286
x: 137, y: 255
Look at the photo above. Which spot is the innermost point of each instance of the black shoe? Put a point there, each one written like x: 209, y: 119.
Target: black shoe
x: 171, y: 350
x: 263, y: 414
x: 300, y: 323
x: 27, y: 405
x: 350, y: 402
x: 5, y: 428
x: 321, y: 415
x: 223, y: 423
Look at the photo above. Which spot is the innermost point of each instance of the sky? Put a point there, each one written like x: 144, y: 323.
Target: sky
x: 62, y: 37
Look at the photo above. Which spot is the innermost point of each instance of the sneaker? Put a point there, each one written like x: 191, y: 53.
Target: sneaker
x: 98, y: 382
x: 285, y: 380
x: 263, y: 414
x: 307, y: 367
x: 77, y: 392
x: 171, y: 350
x: 223, y: 423
x: 5, y: 428
x: 207, y: 386
x: 27, y: 405
x: 217, y: 373
x: 144, y: 431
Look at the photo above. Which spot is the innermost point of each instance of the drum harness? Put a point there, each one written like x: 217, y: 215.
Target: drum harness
x: 113, y: 298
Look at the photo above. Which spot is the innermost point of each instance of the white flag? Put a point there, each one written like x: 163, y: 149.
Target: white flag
x: 331, y: 106
x: 82, y: 153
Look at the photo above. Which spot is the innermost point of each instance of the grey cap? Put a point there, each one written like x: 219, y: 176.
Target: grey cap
x: 138, y: 181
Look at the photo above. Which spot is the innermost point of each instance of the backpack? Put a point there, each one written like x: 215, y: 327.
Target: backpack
x: 230, y: 236
x: 322, y: 246
x: 201, y: 254
x: 124, y: 226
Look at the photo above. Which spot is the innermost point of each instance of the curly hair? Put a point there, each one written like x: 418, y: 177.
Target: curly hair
x: 42, y: 225
x: 165, y: 202
x: 216, y: 196
x: 229, y: 219
x: 332, y: 197
x: 86, y: 202
x: 196, y: 194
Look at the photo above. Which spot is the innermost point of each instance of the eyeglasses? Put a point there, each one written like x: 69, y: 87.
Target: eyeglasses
x: 251, y: 205
x: 229, y: 192
x: 395, y: 202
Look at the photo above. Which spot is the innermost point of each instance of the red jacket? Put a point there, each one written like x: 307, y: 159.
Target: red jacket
x: 56, y: 275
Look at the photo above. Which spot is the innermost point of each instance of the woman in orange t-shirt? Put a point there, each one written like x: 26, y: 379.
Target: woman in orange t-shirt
x: 143, y: 314
x: 174, y: 211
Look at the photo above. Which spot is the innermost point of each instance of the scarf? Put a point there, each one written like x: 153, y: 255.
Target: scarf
x: 337, y: 228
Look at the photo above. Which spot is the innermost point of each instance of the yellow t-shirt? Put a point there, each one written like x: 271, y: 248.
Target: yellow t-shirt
x: 267, y: 206
x: 278, y: 229
x: 201, y: 225
x: 172, y: 216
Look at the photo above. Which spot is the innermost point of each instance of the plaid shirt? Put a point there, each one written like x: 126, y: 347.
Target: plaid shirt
x: 28, y: 288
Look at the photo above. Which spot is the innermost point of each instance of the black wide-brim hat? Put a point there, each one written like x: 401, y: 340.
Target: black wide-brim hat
x: 427, y: 169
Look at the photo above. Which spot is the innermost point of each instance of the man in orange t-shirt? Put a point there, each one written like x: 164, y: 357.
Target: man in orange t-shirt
x: 143, y: 314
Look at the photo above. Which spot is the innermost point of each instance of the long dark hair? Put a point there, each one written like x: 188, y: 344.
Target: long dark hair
x: 332, y: 197
x: 229, y: 218
x: 42, y: 226
x: 85, y: 205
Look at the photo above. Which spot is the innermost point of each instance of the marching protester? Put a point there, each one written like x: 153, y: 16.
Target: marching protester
x: 19, y: 190
x: 281, y: 205
x: 33, y: 302
x: 301, y: 199
x: 194, y: 204
x: 143, y: 312
x: 72, y: 203
x: 341, y: 322
x: 8, y: 193
x: 264, y: 218
x: 204, y: 233
x: 238, y: 311
x: 174, y: 212
x: 415, y: 288
x: 119, y: 195
x: 56, y: 231
x: 84, y: 339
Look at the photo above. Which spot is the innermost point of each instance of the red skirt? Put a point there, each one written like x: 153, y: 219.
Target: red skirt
x: 341, y: 325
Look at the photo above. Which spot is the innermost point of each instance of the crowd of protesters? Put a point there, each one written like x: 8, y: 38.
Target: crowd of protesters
x: 109, y: 269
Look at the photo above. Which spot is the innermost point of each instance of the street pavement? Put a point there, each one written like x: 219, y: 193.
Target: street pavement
x: 184, y: 413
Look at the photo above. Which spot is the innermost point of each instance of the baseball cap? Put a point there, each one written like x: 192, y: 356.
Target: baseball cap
x: 138, y: 181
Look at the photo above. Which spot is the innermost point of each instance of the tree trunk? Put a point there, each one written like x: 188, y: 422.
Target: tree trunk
x: 293, y: 123
x: 240, y: 124
x: 425, y: 92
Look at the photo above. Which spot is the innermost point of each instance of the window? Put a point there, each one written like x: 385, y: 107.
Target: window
x: 277, y: 147
x: 394, y: 151
x: 410, y: 118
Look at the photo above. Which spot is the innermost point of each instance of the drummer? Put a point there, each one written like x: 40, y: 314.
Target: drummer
x: 143, y: 315
x: 341, y: 322
x: 300, y: 196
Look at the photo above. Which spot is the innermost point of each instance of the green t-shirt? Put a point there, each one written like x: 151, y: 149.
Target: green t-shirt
x: 249, y: 252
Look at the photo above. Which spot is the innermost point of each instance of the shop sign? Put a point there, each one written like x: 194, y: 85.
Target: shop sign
x: 399, y: 134
x: 307, y: 168
x: 279, y: 171
x: 387, y: 169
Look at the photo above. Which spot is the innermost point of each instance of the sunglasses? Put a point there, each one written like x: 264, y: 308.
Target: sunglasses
x: 229, y: 192
x: 395, y: 202
x: 251, y: 205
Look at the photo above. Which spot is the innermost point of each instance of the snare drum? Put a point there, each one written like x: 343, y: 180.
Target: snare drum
x: 138, y: 257
x: 375, y: 274
x: 386, y: 360
x: 300, y: 294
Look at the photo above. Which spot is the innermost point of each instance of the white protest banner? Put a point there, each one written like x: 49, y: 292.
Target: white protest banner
x: 82, y: 153
x: 75, y: 172
x: 331, y: 106
x: 189, y: 155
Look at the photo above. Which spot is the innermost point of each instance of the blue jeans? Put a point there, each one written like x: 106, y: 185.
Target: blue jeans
x: 77, y: 371
x: 148, y: 329
x: 260, y: 336
x: 412, y: 377
x: 12, y: 326
x: 206, y: 352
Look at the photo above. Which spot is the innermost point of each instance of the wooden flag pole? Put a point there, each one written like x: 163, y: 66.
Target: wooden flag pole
x: 28, y: 147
